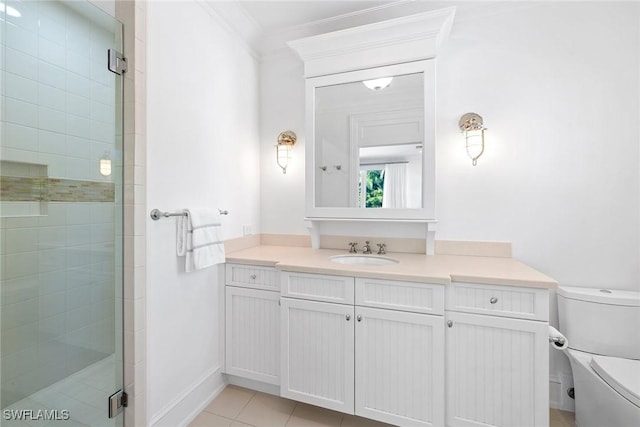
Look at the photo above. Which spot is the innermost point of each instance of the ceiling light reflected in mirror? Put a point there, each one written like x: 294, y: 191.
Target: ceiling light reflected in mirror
x: 378, y: 84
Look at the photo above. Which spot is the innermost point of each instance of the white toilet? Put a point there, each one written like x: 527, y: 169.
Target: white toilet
x: 602, y: 327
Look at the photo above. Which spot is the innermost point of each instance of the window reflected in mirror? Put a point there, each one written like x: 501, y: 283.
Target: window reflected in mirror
x: 390, y: 176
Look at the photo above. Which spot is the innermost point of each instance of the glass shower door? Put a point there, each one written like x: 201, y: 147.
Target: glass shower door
x: 60, y: 214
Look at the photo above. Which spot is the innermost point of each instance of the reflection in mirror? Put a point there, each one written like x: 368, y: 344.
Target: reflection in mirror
x: 368, y: 150
x: 390, y: 176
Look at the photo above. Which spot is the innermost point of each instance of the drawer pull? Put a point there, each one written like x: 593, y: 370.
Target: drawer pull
x: 493, y: 300
x: 359, y: 318
x: 253, y: 277
x: 348, y: 317
x: 450, y: 324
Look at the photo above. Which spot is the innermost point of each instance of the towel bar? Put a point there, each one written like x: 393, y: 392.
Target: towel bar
x: 156, y: 214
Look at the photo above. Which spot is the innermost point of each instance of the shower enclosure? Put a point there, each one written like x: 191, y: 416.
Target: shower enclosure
x: 61, y: 214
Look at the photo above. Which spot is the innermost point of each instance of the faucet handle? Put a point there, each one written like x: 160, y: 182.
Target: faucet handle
x: 381, y: 248
x: 352, y: 248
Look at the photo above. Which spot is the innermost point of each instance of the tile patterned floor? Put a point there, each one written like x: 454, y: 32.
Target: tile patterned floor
x: 240, y: 407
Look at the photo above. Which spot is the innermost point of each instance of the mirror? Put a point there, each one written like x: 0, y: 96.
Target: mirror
x: 371, y: 156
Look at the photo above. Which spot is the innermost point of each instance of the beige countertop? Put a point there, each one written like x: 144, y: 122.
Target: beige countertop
x: 438, y: 269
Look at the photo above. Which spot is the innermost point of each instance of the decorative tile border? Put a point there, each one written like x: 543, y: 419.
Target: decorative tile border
x: 43, y: 189
x: 23, y: 189
x: 69, y: 190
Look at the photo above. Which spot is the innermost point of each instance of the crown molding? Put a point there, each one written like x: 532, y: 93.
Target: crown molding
x: 409, y: 38
x: 265, y: 46
x: 235, y: 20
x: 272, y: 45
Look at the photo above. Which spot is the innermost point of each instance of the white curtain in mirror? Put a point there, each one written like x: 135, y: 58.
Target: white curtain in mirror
x: 395, y: 186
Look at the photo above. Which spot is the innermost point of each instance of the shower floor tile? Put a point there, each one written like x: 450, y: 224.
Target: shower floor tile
x: 84, y: 394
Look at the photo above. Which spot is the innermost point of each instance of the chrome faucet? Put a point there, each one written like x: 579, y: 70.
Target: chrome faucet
x: 352, y: 248
x: 382, y: 248
x: 366, y: 249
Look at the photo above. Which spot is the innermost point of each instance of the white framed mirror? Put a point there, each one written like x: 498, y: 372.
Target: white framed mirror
x: 370, y: 151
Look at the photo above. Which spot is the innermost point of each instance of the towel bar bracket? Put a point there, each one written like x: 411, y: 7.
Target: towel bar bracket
x: 156, y: 214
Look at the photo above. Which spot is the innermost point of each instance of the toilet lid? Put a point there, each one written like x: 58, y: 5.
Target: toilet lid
x: 623, y: 375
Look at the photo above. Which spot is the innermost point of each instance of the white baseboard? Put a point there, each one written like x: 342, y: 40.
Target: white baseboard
x: 188, y: 405
x: 558, y: 397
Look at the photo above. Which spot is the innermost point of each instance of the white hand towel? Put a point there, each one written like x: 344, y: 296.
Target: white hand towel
x: 199, y: 239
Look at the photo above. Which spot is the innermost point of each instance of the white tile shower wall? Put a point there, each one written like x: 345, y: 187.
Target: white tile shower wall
x: 57, y: 294
x: 58, y: 301
x: 59, y: 97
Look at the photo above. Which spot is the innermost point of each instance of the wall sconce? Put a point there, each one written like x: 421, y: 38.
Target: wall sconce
x: 105, y: 164
x: 286, y: 141
x: 473, y: 128
x: 377, y: 84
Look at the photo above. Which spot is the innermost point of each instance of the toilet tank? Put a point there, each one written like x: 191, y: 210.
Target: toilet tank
x: 601, y: 321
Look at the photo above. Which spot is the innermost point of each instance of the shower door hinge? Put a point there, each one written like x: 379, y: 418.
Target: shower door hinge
x: 117, y: 401
x: 116, y: 62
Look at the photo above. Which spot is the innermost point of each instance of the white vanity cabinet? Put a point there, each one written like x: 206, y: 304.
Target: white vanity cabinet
x: 318, y: 353
x: 252, y: 322
x: 375, y: 362
x: 497, y: 364
x: 404, y: 353
x: 398, y: 366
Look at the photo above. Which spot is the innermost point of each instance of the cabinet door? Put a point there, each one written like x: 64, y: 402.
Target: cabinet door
x: 399, y: 367
x: 497, y: 371
x: 253, y: 334
x: 317, y: 353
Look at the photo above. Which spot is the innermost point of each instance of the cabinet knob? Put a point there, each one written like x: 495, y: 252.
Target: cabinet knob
x: 493, y: 300
x: 348, y: 317
x: 359, y: 318
x: 450, y: 324
x: 253, y: 277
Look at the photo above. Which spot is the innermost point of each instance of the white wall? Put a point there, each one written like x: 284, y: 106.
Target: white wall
x: 202, y: 152
x: 557, y: 85
x: 282, y: 108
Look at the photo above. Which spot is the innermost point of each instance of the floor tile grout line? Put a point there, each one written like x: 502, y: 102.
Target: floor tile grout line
x: 291, y: 414
x: 295, y: 405
x: 253, y: 395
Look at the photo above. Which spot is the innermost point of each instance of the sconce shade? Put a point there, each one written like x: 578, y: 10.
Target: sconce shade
x: 378, y: 84
x: 472, y: 126
x: 286, y: 141
x: 104, y: 167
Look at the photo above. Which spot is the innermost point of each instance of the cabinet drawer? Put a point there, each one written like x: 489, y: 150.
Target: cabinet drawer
x: 506, y: 301
x: 317, y: 287
x: 405, y: 296
x: 249, y: 276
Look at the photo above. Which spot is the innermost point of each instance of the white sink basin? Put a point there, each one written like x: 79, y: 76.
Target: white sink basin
x: 362, y: 260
